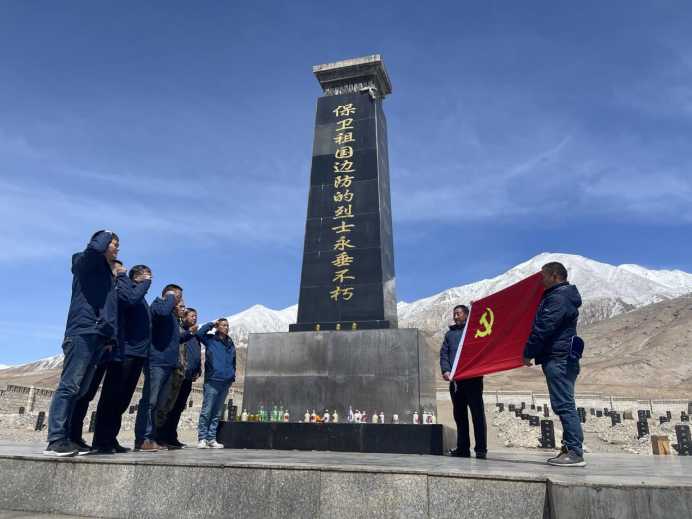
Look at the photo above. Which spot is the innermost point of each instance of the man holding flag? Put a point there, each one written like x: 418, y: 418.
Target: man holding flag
x: 554, y: 344
x: 465, y: 394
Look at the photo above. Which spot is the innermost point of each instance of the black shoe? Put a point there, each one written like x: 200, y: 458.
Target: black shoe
x: 175, y: 444
x: 102, y: 450
x: 456, y: 453
x: 119, y: 449
x: 563, y: 452
x: 571, y: 459
x: 60, y: 448
x: 481, y: 455
x: 81, y: 451
x: 79, y: 442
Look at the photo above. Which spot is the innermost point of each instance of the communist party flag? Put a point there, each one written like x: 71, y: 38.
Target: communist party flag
x: 497, y: 330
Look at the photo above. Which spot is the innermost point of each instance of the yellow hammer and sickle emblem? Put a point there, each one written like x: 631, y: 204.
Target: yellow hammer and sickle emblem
x: 488, y: 325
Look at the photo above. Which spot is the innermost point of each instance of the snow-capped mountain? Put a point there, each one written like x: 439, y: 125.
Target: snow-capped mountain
x: 3, y: 366
x: 607, y: 291
x: 54, y: 362
x: 259, y: 319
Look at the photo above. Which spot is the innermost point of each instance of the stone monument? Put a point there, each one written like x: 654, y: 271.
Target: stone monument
x: 345, y: 349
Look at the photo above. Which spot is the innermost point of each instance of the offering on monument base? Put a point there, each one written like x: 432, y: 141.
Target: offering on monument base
x: 381, y: 418
x: 335, y: 417
x: 375, y: 417
x: 326, y: 416
x: 395, y: 418
x: 415, y: 418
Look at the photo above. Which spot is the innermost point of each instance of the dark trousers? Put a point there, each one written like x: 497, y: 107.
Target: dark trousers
x: 81, y: 406
x: 169, y: 430
x: 106, y: 409
x: 131, y: 370
x: 469, y: 395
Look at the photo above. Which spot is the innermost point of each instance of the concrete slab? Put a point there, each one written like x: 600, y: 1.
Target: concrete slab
x: 195, y: 483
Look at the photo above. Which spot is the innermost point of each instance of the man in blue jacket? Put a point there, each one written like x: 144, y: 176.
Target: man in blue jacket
x: 219, y: 374
x: 81, y: 407
x: 137, y: 318
x: 192, y: 373
x: 163, y: 359
x: 117, y: 371
x: 550, y: 344
x: 466, y: 394
x: 92, y: 323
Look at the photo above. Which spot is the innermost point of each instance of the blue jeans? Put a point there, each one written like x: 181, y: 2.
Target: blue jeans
x: 215, y: 394
x: 561, y: 375
x: 82, y: 354
x: 157, y: 380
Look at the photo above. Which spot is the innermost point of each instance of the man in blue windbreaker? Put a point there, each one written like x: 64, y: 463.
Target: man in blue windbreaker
x: 92, y: 323
x: 163, y: 359
x: 137, y: 318
x: 219, y: 374
x: 550, y: 344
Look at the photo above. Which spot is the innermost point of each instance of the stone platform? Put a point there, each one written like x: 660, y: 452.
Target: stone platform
x: 247, y: 483
x: 339, y: 437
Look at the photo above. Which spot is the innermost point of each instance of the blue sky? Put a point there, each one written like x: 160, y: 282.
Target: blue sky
x: 515, y: 128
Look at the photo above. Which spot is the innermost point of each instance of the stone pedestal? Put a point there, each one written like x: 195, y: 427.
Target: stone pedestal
x: 384, y: 370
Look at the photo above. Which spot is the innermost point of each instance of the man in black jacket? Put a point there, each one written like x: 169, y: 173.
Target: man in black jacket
x: 466, y: 394
x: 550, y: 344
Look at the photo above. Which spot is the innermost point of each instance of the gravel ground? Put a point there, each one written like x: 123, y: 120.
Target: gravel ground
x: 505, y: 431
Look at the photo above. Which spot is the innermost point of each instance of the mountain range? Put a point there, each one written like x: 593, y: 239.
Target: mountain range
x: 607, y: 291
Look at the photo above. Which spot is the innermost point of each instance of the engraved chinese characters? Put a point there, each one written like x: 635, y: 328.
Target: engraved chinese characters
x: 343, y: 196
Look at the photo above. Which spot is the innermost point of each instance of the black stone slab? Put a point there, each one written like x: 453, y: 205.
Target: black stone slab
x: 350, y: 200
x: 380, y: 438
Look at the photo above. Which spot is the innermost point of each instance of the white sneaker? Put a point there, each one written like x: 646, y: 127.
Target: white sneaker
x: 203, y: 444
x: 213, y: 444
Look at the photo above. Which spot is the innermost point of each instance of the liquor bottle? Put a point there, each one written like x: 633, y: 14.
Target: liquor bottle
x: 326, y: 416
x: 306, y: 418
x: 395, y: 418
x: 381, y: 418
x: 243, y: 417
x: 313, y: 417
x: 364, y: 417
x: 266, y: 411
x: 350, y: 417
x: 434, y: 418
x: 286, y: 416
x: 425, y: 417
x: 335, y: 417
x: 261, y: 413
x: 415, y: 417
x: 275, y: 415
x: 357, y: 417
x: 281, y: 414
x: 353, y: 326
x: 374, y: 416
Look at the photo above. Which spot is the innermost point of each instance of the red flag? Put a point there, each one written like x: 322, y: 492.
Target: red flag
x: 497, y: 330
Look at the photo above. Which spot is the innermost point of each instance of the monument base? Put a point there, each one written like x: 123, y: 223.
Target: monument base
x: 390, y: 370
x: 338, y: 437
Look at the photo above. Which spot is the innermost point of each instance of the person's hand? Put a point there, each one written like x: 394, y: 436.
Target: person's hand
x: 446, y: 375
x: 193, y: 329
x: 527, y: 362
x: 108, y: 347
x: 120, y: 270
x: 169, y: 293
x: 142, y: 277
x: 195, y: 377
x: 216, y: 324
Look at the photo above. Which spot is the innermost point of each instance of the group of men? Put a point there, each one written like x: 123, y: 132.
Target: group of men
x: 113, y: 335
x: 550, y: 344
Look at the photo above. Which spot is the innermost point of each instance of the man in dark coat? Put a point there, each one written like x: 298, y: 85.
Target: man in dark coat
x: 193, y: 371
x: 466, y: 394
x: 92, y: 324
x: 551, y: 344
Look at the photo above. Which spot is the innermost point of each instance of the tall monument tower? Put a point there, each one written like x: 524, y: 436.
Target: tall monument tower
x: 348, y: 281
x: 346, y: 350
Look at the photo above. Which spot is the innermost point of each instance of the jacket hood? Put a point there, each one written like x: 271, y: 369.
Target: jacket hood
x: 454, y: 327
x: 568, y: 291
